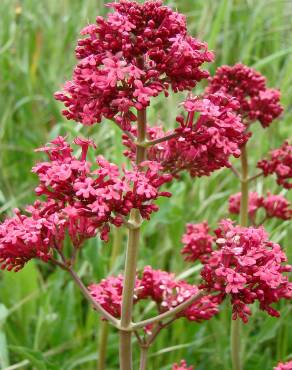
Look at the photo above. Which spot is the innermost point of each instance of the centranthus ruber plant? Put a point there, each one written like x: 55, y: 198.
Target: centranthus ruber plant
x: 126, y: 60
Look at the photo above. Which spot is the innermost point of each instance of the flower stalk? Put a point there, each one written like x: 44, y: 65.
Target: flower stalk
x: 131, y: 263
x: 236, y: 324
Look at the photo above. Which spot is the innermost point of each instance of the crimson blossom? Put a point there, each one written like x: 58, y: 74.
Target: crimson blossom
x: 280, y: 164
x: 24, y: 237
x: 81, y: 199
x: 98, y: 192
x: 198, y: 243
x: 159, y: 286
x: 256, y: 101
x: 248, y: 267
x: 254, y: 203
x: 284, y: 366
x: 204, y: 141
x: 275, y: 206
x: 135, y: 54
x: 182, y: 366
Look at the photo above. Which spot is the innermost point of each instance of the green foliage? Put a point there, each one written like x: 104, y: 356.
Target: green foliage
x: 44, y: 321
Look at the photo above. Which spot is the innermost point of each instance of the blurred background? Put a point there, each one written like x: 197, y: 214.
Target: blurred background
x: 44, y: 321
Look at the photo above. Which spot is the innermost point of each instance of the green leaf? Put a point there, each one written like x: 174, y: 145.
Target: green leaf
x: 35, y: 358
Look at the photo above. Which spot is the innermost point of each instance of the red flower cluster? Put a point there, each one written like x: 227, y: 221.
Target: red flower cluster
x: 248, y: 267
x: 25, y: 237
x: 277, y: 206
x: 254, y: 203
x: 248, y: 86
x: 280, y: 164
x: 99, y: 193
x: 197, y: 242
x: 159, y: 286
x: 284, y: 366
x: 80, y: 200
x: 109, y: 294
x: 130, y: 57
x: 205, y: 140
x: 274, y: 205
x: 182, y: 366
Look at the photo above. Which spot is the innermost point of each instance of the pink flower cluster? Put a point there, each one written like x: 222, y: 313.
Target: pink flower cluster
x: 257, y: 102
x: 197, y: 242
x: 108, y: 293
x: 81, y: 199
x: 125, y: 60
x: 182, y: 366
x: 254, y: 203
x: 274, y: 205
x: 100, y: 192
x: 248, y: 267
x: 205, y: 140
x: 159, y: 286
x: 25, y: 237
x: 284, y: 366
x: 280, y: 164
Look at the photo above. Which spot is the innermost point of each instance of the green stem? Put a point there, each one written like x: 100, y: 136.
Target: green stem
x: 88, y: 296
x: 169, y: 313
x: 104, y: 328
x: 131, y: 263
x: 143, y: 358
x: 236, y: 324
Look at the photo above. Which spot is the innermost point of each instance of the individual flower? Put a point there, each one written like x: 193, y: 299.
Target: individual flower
x: 254, y: 203
x: 280, y: 164
x: 182, y: 366
x: 277, y: 206
x: 136, y: 53
x: 197, y: 242
x: 205, y: 140
x: 159, y: 286
x: 256, y: 101
x: 284, y: 366
x: 248, y: 267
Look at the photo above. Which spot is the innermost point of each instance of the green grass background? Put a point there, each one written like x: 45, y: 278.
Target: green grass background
x: 44, y: 321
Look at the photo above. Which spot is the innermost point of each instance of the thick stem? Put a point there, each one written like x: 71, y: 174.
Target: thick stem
x: 141, y: 136
x: 125, y: 350
x: 143, y: 357
x: 236, y: 324
x: 131, y: 263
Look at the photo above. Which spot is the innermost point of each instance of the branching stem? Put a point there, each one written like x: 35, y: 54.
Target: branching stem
x: 250, y: 179
x: 169, y: 313
x: 87, y: 295
x: 162, y: 139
